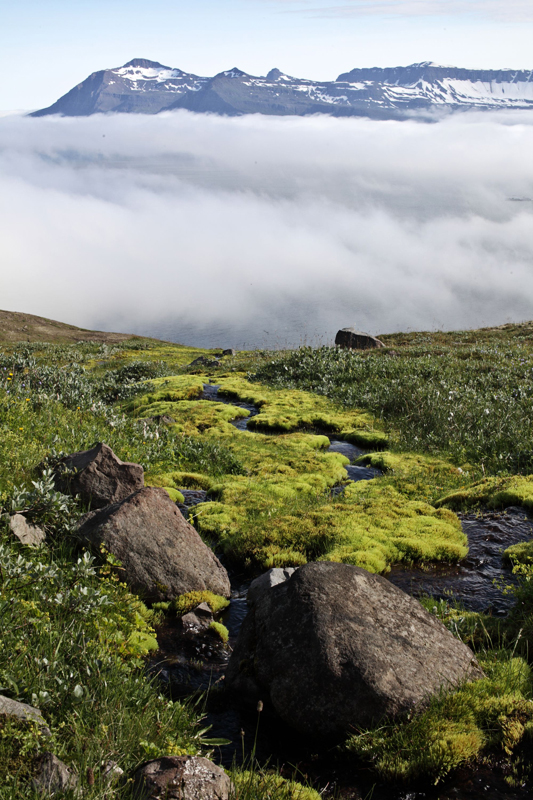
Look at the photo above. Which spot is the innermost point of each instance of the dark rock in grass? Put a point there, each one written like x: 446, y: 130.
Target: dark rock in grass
x: 52, y: 776
x: 12, y: 708
x: 181, y: 778
x: 203, y: 361
x: 356, y: 340
x: 266, y: 581
x: 161, y: 553
x: 27, y: 534
x: 229, y: 352
x: 335, y: 647
x: 98, y: 476
x: 163, y: 419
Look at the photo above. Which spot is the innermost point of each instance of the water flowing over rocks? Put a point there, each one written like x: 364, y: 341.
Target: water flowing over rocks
x: 98, y: 476
x: 356, y: 340
x: 181, y: 778
x: 161, y: 553
x: 335, y: 647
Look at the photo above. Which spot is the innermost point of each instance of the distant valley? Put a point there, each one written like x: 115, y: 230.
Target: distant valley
x: 147, y: 87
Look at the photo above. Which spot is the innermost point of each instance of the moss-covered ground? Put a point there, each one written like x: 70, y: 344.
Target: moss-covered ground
x: 444, y: 416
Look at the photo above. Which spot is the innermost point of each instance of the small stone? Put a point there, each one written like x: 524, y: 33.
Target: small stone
x: 229, y: 352
x: 181, y: 778
x: 12, y: 708
x: 52, y: 776
x: 266, y: 581
x: 193, y: 624
x: 110, y: 771
x: 27, y: 534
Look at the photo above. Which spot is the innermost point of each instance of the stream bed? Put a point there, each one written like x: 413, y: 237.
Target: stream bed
x: 188, y: 665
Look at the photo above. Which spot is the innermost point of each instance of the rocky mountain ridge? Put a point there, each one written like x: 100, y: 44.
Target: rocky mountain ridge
x: 148, y: 87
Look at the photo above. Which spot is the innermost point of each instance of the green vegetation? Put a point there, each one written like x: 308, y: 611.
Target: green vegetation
x: 186, y: 602
x: 464, y: 394
x: 446, y: 418
x: 492, y: 713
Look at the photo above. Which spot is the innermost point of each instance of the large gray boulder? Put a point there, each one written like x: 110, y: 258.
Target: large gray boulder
x: 335, y: 647
x: 181, y: 778
x: 161, y: 553
x: 356, y: 340
x: 98, y: 476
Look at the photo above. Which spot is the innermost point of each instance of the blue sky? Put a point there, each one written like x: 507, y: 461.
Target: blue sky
x: 48, y: 46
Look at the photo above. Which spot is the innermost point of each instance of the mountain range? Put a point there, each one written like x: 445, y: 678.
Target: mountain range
x: 147, y: 87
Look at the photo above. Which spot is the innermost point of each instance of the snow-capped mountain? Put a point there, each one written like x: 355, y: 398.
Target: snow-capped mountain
x: 147, y: 87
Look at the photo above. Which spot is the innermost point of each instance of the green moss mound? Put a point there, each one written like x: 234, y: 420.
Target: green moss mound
x: 494, y: 492
x: 521, y: 553
x: 252, y: 784
x: 186, y: 602
x: 220, y: 630
x: 492, y: 713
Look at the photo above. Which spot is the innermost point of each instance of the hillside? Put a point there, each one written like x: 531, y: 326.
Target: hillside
x: 16, y: 326
x: 392, y: 460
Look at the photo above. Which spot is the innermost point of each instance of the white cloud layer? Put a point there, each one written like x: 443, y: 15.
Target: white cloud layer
x: 499, y: 10
x: 267, y: 230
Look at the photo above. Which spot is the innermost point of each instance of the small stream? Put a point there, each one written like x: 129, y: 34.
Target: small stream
x: 187, y: 665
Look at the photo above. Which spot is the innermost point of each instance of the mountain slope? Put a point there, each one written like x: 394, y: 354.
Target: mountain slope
x: 147, y: 87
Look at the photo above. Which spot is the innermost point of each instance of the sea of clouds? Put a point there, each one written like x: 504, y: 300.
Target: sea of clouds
x: 267, y: 231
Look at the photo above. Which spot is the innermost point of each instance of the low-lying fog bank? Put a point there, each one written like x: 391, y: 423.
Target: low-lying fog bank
x: 264, y: 231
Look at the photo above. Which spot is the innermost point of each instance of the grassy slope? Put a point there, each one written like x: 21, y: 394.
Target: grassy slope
x: 272, y: 505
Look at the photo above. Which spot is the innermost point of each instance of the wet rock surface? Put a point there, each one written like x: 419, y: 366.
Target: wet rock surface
x: 335, y: 646
x: 161, y: 553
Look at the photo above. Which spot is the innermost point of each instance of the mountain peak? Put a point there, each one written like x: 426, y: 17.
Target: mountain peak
x: 232, y: 73
x: 144, y: 63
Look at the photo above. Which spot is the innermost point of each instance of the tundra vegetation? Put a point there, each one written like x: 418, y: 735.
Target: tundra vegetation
x: 446, y: 417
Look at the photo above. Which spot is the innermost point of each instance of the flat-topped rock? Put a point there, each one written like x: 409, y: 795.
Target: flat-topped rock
x: 352, y: 339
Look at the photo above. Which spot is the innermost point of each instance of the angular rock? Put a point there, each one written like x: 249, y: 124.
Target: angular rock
x: 356, y: 340
x: 181, y: 778
x: 14, y: 709
x: 30, y: 535
x: 194, y: 622
x: 161, y: 553
x: 229, y: 352
x: 266, y: 581
x: 52, y: 776
x: 335, y: 647
x: 98, y: 476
